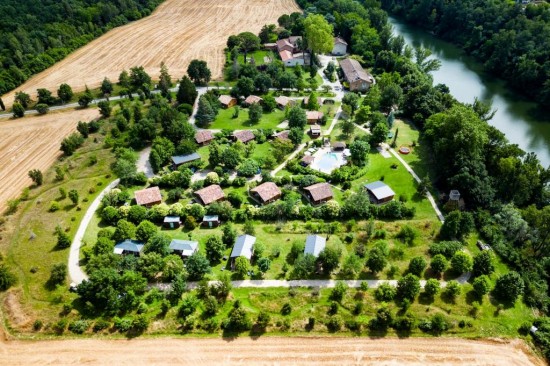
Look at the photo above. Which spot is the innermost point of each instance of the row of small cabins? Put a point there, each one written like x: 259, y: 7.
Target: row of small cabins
x: 243, y: 247
x: 268, y: 192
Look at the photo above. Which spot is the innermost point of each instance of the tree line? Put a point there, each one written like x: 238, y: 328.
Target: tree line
x: 35, y: 35
x: 509, y: 38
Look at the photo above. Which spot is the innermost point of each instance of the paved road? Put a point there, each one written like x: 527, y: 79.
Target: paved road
x: 143, y: 163
x: 76, y: 274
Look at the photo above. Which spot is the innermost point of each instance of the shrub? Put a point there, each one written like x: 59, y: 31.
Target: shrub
x: 439, y: 263
x: 461, y: 262
x: 286, y: 309
x: 432, y: 287
x: 54, y: 206
x: 100, y: 325
x: 452, y: 289
x: 408, y: 234
x: 385, y: 292
x: 417, y: 265
x: 509, y: 286
x: 408, y: 287
x: 481, y: 285
x: 37, y: 325
x: 78, y: 326
x: 338, y: 292
x: 334, y: 324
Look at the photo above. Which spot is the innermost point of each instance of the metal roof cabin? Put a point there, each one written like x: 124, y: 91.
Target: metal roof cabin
x: 314, y: 245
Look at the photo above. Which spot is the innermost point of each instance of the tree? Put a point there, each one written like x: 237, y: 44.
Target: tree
x: 408, y: 287
x: 255, y: 113
x: 509, y: 286
x: 2, y: 106
x: 304, y: 266
x: 432, y: 287
x: 248, y: 42
x: 481, y: 285
x: 124, y: 79
x: 58, y: 274
x: 312, y: 102
x: 65, y: 93
x: 242, y: 266
x: 106, y: 87
x: 18, y: 110
x: 199, y: 72
x: 483, y: 264
x: 104, y: 109
x: 238, y: 319
x: 392, y: 95
x: 452, y: 289
x: 359, y: 152
x: 377, y: 260
x: 297, y: 117
x: 36, y: 176
x: 165, y: 81
x: 187, y: 92
x: 264, y: 264
x: 139, y: 79
x: 461, y: 262
x: 329, y: 259
x: 318, y: 34
x: 348, y: 127
x: 124, y: 230
x: 157, y: 243
x: 417, y: 265
x: 296, y: 135
x: 42, y: 108
x: 7, y: 279
x: 145, y: 230
x: 351, y: 99
x: 385, y: 292
x: 197, y: 266
x: 22, y: 98
x: 439, y: 264
x: 205, y: 113
x: 425, y: 64
x: 379, y: 134
x: 73, y: 196
x: 244, y: 87
x: 262, y: 83
x: 214, y: 248
x: 229, y: 234
x: 85, y: 99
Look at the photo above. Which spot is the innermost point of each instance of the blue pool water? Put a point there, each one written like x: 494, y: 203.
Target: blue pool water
x: 328, y: 162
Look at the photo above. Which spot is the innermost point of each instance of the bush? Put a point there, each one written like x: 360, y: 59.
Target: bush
x: 334, y: 324
x: 432, y: 287
x: 461, y: 262
x: 385, y: 292
x: 446, y: 248
x: 408, y: 234
x: 417, y: 265
x: 286, y: 309
x: 452, y: 289
x: 439, y: 324
x: 338, y: 292
x: 509, y: 286
x: 37, y: 325
x: 78, y: 326
x: 123, y: 324
x: 481, y: 285
x: 408, y: 287
x: 7, y: 279
x: 54, y: 206
x: 100, y: 325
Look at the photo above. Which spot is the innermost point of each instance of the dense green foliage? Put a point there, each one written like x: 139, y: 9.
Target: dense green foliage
x: 35, y: 35
x: 510, y: 40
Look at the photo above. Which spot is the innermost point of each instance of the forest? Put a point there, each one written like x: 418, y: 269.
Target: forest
x: 37, y: 34
x: 512, y: 40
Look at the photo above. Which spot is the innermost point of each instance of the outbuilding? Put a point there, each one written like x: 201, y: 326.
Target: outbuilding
x: 148, y: 197
x: 183, y: 159
x: 128, y: 246
x: 212, y: 193
x: 172, y: 222
x: 379, y: 192
x: 314, y: 245
x: 266, y: 193
x: 227, y: 101
x: 318, y: 193
x: 185, y: 248
x: 203, y: 137
x: 244, y: 247
x: 211, y: 221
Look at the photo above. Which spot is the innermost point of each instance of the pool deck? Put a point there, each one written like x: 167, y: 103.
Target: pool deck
x: 319, y: 154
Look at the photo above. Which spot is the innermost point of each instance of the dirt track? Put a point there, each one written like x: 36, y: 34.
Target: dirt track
x: 269, y: 351
x: 33, y: 143
x: 176, y: 33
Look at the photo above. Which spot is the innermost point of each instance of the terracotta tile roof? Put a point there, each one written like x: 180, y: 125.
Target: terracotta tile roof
x: 286, y: 55
x: 283, y: 135
x: 210, y: 194
x: 314, y: 115
x: 244, y: 135
x: 308, y: 159
x: 283, y: 101
x: 267, y: 191
x: 353, y: 71
x: 251, y: 99
x: 339, y: 145
x: 319, y: 191
x: 226, y: 99
x: 203, y: 136
x: 148, y: 196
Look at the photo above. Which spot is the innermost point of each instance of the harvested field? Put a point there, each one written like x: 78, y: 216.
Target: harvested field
x: 176, y: 33
x: 269, y: 351
x: 33, y: 143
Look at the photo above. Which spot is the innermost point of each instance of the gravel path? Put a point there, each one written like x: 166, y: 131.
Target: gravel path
x: 75, y: 272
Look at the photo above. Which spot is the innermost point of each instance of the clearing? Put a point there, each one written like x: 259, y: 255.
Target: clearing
x: 176, y: 33
x: 33, y: 143
x: 270, y: 351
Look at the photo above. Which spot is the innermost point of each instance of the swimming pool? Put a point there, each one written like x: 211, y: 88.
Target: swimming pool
x: 327, y: 163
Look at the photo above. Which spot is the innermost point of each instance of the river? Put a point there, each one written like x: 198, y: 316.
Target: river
x: 522, y: 121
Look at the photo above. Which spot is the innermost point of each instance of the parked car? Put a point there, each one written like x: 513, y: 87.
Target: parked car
x: 482, y: 246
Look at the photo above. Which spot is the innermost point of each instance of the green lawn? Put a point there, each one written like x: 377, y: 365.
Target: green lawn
x: 225, y: 120
x: 258, y: 57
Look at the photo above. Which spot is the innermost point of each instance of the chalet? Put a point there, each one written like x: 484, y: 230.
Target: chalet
x: 379, y: 192
x: 283, y: 135
x: 244, y: 136
x: 148, y: 197
x: 357, y: 78
x: 289, y: 44
x: 129, y: 247
x: 209, y: 194
x: 266, y: 193
x: 283, y: 101
x: 307, y: 160
x: 183, y: 159
x: 244, y: 247
x: 185, y: 248
x: 211, y: 221
x: 314, y: 117
x: 203, y: 137
x: 315, y: 245
x: 315, y: 130
x: 339, y: 146
x: 288, y: 49
x: 227, y: 101
x: 340, y: 47
x: 172, y: 222
x: 252, y: 99
x: 318, y: 193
